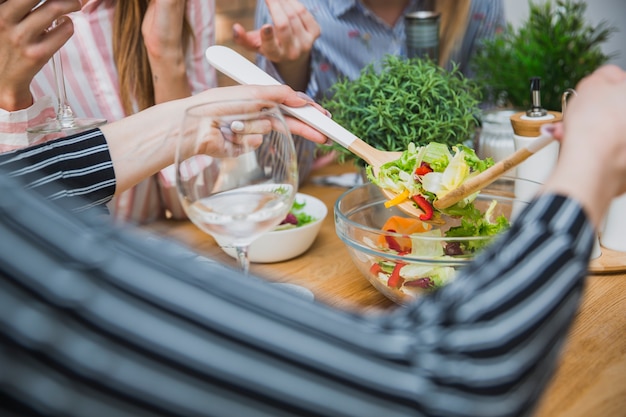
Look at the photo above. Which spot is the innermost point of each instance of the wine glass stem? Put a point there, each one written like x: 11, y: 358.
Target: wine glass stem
x: 65, y: 115
x: 242, y: 257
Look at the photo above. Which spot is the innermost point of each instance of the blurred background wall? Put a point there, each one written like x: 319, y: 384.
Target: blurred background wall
x: 613, y: 11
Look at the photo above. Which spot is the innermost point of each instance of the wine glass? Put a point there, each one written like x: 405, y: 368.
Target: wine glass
x: 65, y: 120
x: 236, y: 170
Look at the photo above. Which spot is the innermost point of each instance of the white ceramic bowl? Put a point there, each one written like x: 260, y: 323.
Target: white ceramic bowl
x: 281, y: 245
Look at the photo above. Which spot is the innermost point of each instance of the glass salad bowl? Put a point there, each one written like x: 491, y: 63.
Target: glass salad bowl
x: 404, y: 257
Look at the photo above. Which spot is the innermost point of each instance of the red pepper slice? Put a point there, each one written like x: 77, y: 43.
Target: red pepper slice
x: 392, y: 243
x: 425, y: 206
x: 375, y: 269
x: 423, y: 169
x: 395, y: 280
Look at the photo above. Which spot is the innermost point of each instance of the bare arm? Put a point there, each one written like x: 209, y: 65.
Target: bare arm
x: 162, y: 29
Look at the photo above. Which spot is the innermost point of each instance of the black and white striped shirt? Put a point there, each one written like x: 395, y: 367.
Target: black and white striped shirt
x: 98, y: 321
x: 81, y: 163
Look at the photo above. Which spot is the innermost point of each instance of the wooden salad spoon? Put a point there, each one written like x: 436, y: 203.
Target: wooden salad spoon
x: 243, y: 71
x: 492, y: 173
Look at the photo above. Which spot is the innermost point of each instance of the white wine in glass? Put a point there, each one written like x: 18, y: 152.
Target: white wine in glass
x: 65, y: 120
x: 236, y: 170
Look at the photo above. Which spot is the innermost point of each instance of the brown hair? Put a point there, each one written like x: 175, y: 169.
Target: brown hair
x: 454, y: 19
x: 130, y: 54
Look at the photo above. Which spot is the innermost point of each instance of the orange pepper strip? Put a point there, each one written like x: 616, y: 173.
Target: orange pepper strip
x: 405, y: 226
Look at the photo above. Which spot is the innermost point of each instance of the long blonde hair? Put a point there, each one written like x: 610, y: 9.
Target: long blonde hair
x: 453, y: 23
x: 131, y: 57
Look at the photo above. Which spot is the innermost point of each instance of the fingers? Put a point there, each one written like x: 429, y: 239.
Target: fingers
x: 556, y: 130
x: 308, y: 22
x: 41, y: 19
x: 27, y: 42
x: 248, y: 135
x: 241, y: 136
x: 269, y: 44
x: 280, y: 17
x: 281, y: 94
x: 239, y: 128
x: 285, y: 95
x: 250, y: 40
x: 303, y: 25
x: 301, y: 129
x: 61, y: 30
x: 234, y: 144
x: 13, y: 12
x: 292, y: 34
x: 313, y: 103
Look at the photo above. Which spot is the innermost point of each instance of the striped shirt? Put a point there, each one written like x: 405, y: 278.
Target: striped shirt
x: 92, y: 90
x: 116, y: 323
x: 353, y: 37
x: 82, y: 163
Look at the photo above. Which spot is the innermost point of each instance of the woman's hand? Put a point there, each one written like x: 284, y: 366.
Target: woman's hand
x: 27, y: 42
x: 153, y: 130
x: 287, y: 43
x: 592, y: 160
x: 280, y: 94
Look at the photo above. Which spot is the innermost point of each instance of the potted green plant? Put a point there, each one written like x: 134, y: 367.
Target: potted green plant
x: 554, y: 43
x: 406, y: 100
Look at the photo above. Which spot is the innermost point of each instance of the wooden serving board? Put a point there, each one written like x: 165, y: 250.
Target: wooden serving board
x: 609, y: 262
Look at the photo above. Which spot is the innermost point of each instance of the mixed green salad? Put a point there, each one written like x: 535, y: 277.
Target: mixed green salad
x: 423, y: 174
x: 420, y: 176
x: 296, y: 217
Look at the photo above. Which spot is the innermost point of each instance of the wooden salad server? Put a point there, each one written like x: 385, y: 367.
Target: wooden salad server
x: 243, y: 71
x: 492, y: 173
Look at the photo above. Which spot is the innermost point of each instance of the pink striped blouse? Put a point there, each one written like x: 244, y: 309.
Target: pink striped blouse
x: 92, y: 90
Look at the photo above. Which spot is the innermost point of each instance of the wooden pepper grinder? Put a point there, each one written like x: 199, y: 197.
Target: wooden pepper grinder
x: 526, y: 129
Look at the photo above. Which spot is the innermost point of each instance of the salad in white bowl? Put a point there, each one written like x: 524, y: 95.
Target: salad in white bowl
x: 291, y: 238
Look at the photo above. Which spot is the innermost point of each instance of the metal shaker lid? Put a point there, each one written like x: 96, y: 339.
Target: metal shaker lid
x: 422, y: 15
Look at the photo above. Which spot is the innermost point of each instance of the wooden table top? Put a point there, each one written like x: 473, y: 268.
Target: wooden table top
x: 591, y: 377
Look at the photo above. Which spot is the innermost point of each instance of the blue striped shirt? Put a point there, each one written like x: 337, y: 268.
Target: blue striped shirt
x: 352, y: 37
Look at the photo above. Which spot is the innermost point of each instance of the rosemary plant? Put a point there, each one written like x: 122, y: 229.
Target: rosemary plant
x: 554, y: 43
x: 408, y: 100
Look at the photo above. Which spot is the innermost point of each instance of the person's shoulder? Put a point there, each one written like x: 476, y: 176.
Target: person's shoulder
x: 487, y: 10
x: 486, y: 4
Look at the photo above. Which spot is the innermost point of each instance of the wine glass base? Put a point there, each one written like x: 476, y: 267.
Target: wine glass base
x: 75, y: 126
